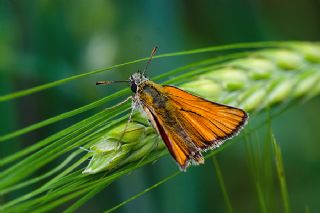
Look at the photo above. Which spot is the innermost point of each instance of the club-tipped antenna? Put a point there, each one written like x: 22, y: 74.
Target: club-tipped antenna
x: 109, y: 82
x: 153, y: 52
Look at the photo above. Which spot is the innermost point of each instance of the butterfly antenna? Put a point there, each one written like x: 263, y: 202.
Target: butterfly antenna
x: 153, y: 52
x: 109, y: 82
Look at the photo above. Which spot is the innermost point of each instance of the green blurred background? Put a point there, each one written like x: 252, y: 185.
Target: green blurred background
x: 44, y: 41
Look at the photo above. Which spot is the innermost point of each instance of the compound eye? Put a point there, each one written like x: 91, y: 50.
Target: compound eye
x: 133, y: 87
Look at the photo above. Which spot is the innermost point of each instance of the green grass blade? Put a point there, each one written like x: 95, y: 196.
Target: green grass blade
x: 143, y: 192
x: 120, y: 94
x: 222, y: 184
x: 196, y: 51
x: 63, y: 116
x: 37, y: 179
x: 281, y: 176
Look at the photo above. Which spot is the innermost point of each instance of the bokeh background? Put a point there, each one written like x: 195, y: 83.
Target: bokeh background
x: 44, y: 41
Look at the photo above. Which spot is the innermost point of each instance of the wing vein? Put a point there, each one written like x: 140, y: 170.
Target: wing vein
x: 211, y: 122
x: 194, y: 106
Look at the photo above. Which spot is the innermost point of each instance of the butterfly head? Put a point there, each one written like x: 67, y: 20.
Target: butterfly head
x: 139, y: 77
x: 135, y: 80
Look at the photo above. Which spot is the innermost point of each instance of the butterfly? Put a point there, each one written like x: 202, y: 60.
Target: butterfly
x: 187, y: 124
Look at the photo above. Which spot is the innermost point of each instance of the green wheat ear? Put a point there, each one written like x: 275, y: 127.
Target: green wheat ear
x: 261, y: 79
x: 280, y: 73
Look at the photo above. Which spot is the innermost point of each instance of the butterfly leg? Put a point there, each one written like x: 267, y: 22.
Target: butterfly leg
x: 119, y: 104
x: 126, y: 127
x: 84, y: 149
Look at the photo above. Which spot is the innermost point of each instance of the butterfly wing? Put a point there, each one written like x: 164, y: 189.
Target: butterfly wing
x: 189, y: 124
x: 176, y: 142
x: 206, y: 122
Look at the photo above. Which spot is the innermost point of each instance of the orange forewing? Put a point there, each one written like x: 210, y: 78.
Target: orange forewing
x: 204, y: 125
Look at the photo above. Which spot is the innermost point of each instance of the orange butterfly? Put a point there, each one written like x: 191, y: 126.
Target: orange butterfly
x: 187, y: 124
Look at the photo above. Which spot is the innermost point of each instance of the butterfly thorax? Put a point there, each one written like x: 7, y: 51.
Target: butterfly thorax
x: 152, y: 94
x: 147, y: 92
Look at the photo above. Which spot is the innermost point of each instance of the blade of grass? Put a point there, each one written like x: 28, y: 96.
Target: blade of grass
x: 69, y: 132
x: 253, y: 160
x: 281, y: 176
x: 121, y: 93
x: 211, y: 154
x: 64, y: 115
x: 65, y: 189
x: 222, y: 184
x: 42, y: 189
x: 261, y: 198
x: 39, y: 178
x: 196, y: 51
x: 50, y: 152
x: 143, y: 192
